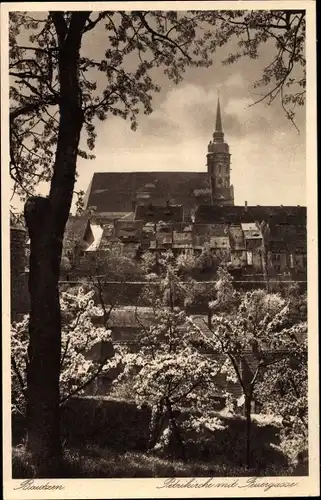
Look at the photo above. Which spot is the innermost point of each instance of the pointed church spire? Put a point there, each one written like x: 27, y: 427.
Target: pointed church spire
x: 218, y: 126
x: 218, y: 135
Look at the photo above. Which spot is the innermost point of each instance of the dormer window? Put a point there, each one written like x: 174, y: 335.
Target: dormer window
x: 150, y: 209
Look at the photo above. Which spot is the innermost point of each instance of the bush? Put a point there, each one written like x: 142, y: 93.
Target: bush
x: 219, y: 439
x: 94, y: 462
x: 119, y: 425
x: 105, y: 422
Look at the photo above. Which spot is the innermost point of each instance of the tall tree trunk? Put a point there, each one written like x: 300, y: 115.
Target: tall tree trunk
x: 45, y: 339
x: 248, y: 400
x: 46, y: 220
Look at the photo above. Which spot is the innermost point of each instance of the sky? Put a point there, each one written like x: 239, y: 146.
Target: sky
x: 267, y: 152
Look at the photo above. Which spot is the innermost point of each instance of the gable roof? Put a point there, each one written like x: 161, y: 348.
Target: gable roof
x: 116, y: 191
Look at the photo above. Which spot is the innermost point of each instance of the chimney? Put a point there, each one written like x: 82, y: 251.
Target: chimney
x: 245, y: 205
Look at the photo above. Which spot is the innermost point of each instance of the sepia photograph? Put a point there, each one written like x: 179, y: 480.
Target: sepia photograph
x: 159, y: 249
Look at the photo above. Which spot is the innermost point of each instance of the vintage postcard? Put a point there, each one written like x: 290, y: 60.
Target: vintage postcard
x: 159, y: 250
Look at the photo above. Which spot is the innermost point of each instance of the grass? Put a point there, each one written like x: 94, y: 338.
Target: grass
x: 95, y: 462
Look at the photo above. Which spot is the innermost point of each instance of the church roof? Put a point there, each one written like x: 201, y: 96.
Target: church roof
x: 116, y: 191
x: 206, y: 214
x: 156, y: 213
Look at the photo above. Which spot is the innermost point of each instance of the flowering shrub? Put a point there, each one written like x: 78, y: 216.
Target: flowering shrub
x: 226, y: 296
x: 168, y: 373
x: 79, y: 336
x: 284, y: 392
x: 260, y: 336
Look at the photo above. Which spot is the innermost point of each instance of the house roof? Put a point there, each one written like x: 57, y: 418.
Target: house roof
x: 240, y: 214
x: 116, y: 191
x: 219, y: 230
x: 287, y: 237
x: 108, y: 236
x: 156, y: 213
x: 75, y: 230
x: 130, y: 317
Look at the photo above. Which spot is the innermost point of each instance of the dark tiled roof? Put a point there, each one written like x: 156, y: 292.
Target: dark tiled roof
x: 128, y: 231
x: 116, y: 191
x: 75, y: 230
x: 235, y: 214
x: 164, y: 213
x: 288, y: 237
x: 108, y: 236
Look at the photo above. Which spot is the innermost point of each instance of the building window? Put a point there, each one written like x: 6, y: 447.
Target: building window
x: 249, y: 256
x: 291, y: 261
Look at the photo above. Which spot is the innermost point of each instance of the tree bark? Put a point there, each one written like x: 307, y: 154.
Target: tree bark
x: 179, y: 448
x: 43, y: 366
x: 248, y: 401
x: 156, y: 426
x: 46, y: 220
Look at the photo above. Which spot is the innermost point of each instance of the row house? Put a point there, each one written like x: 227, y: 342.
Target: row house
x: 275, y: 245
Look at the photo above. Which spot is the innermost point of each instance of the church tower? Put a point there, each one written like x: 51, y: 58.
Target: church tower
x: 219, y: 165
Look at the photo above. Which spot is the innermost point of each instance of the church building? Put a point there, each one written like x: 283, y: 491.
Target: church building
x: 115, y: 194
x: 186, y: 211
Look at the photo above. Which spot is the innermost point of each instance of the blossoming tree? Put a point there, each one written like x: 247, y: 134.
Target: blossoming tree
x: 167, y: 371
x: 79, y: 336
x: 255, y: 332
